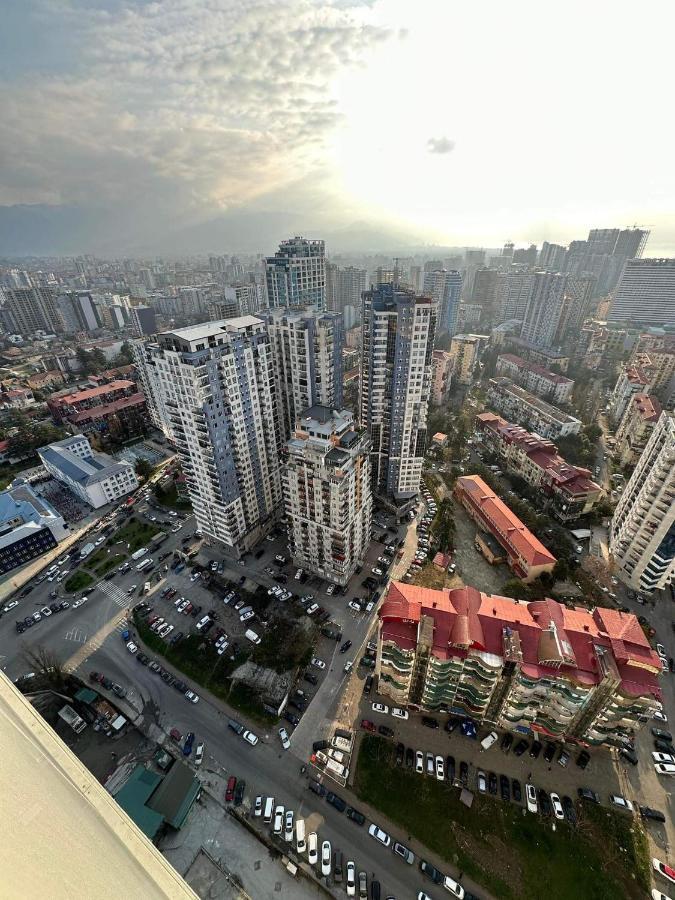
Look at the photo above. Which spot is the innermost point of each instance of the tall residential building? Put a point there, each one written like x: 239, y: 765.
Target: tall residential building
x: 441, y: 376
x: 638, y: 422
x: 538, y: 668
x: 642, y: 533
x: 632, y: 380
x: 307, y: 352
x: 398, y: 340
x: 552, y: 257
x: 327, y: 493
x: 541, y: 322
x: 645, y: 293
x: 213, y: 387
x: 465, y: 352
x: 484, y: 293
x: 33, y: 309
x: 445, y: 288
x: 512, y: 295
x: 78, y: 312
x: 296, y: 274
x: 143, y: 320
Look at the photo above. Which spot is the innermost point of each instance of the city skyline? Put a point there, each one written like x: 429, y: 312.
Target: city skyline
x: 218, y: 130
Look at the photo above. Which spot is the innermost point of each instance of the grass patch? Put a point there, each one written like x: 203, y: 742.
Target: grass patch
x: 168, y: 496
x: 136, y: 534
x: 511, y: 854
x: 243, y: 698
x: 110, y: 561
x: 8, y: 473
x: 78, y: 581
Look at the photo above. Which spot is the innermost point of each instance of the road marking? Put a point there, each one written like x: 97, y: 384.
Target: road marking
x: 116, y: 594
x: 76, y: 634
x: 76, y: 660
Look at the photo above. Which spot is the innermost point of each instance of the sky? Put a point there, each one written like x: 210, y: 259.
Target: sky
x: 151, y: 125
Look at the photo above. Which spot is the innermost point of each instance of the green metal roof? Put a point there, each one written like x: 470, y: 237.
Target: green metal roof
x: 133, y: 797
x: 86, y: 695
x: 176, y: 794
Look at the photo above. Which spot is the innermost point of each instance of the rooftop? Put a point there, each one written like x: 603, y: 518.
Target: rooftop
x: 534, y: 367
x: 106, y: 409
x: 552, y: 636
x: 504, y: 523
x: 95, y: 468
x: 648, y: 408
x: 91, y: 393
x: 507, y: 386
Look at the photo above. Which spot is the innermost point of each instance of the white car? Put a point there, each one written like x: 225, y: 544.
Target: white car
x: 664, y: 768
x: 131, y: 647
x: 621, y: 802
x: 249, y: 737
x: 354, y: 605
x: 440, y: 769
x: 278, y: 823
x: 660, y: 716
x: 351, y: 878
x: 663, y: 757
x: 419, y: 762
x: 657, y: 895
x: 453, y: 887
x: 482, y: 781
x: 380, y: 708
x: 330, y: 590
x: 192, y: 697
x: 10, y: 605
x: 325, y: 858
x: 244, y: 617
x: 531, y: 797
x: 312, y: 609
x: 312, y: 843
x: 199, y: 754
x: 258, y: 806
x: 349, y: 665
x: 399, y: 713
x: 376, y: 832
x: 558, y: 810
x: 132, y: 589
x: 377, y: 571
x: 289, y: 825
x: 664, y: 870
x: 318, y: 663
x: 283, y: 737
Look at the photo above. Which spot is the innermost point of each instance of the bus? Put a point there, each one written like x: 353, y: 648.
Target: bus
x: 147, y: 562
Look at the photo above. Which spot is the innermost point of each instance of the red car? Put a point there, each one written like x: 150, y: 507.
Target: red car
x: 231, y: 785
x: 368, y: 725
x: 175, y: 735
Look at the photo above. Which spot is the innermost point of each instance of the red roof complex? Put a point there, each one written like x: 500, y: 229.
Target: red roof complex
x: 526, y: 555
x: 574, y: 650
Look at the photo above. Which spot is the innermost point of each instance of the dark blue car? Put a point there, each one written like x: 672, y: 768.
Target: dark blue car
x: 187, y: 746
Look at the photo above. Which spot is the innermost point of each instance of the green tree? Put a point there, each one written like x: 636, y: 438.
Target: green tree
x: 143, y: 468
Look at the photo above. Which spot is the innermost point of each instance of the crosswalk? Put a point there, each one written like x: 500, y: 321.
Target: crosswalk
x: 118, y: 623
x: 116, y: 594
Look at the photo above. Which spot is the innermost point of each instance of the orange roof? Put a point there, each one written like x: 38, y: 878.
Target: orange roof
x: 90, y: 393
x: 502, y: 522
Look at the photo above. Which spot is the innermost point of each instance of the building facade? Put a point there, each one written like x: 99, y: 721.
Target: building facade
x: 143, y: 320
x: 308, y: 369
x: 635, y: 428
x: 116, y: 409
x: 526, y: 556
x: 556, y: 388
x: 632, y: 380
x: 538, y: 668
x: 645, y: 293
x: 515, y: 403
x: 642, y: 532
x: 215, y: 385
x: 327, y: 493
x: 544, y: 309
x: 441, y: 376
x: 29, y: 526
x: 33, y: 309
x: 445, y: 289
x: 398, y: 341
x: 566, y: 490
x: 296, y: 274
x: 512, y: 295
x: 465, y: 352
x: 95, y: 478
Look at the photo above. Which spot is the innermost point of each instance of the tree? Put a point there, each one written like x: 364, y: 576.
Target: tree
x: 143, y: 468
x: 45, y: 664
x: 515, y: 589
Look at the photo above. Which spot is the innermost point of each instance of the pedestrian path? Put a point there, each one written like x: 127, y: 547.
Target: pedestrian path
x: 118, y: 623
x: 116, y: 594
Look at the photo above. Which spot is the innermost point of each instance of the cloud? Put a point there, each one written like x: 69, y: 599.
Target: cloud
x: 440, y: 145
x: 182, y: 105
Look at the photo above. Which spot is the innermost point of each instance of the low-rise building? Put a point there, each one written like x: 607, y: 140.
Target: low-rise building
x: 439, y: 440
x: 327, y: 493
x: 95, y: 478
x: 526, y: 556
x: 540, y: 668
x: 641, y: 415
x: 29, y: 526
x: 116, y: 409
x: 441, y: 376
x: 16, y: 398
x: 567, y: 490
x: 556, y: 388
x: 520, y: 405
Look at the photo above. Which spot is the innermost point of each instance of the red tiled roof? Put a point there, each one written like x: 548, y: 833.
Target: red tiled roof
x: 648, y: 407
x: 106, y: 409
x: 465, y: 618
x: 90, y: 393
x: 502, y: 523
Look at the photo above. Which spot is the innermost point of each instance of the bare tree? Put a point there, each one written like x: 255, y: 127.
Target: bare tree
x: 45, y: 664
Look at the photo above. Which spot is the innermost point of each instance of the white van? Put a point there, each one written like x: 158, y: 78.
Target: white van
x: 488, y: 741
x: 300, y: 842
x: 269, y: 810
x: 338, y: 768
x: 252, y: 636
x: 147, y: 562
